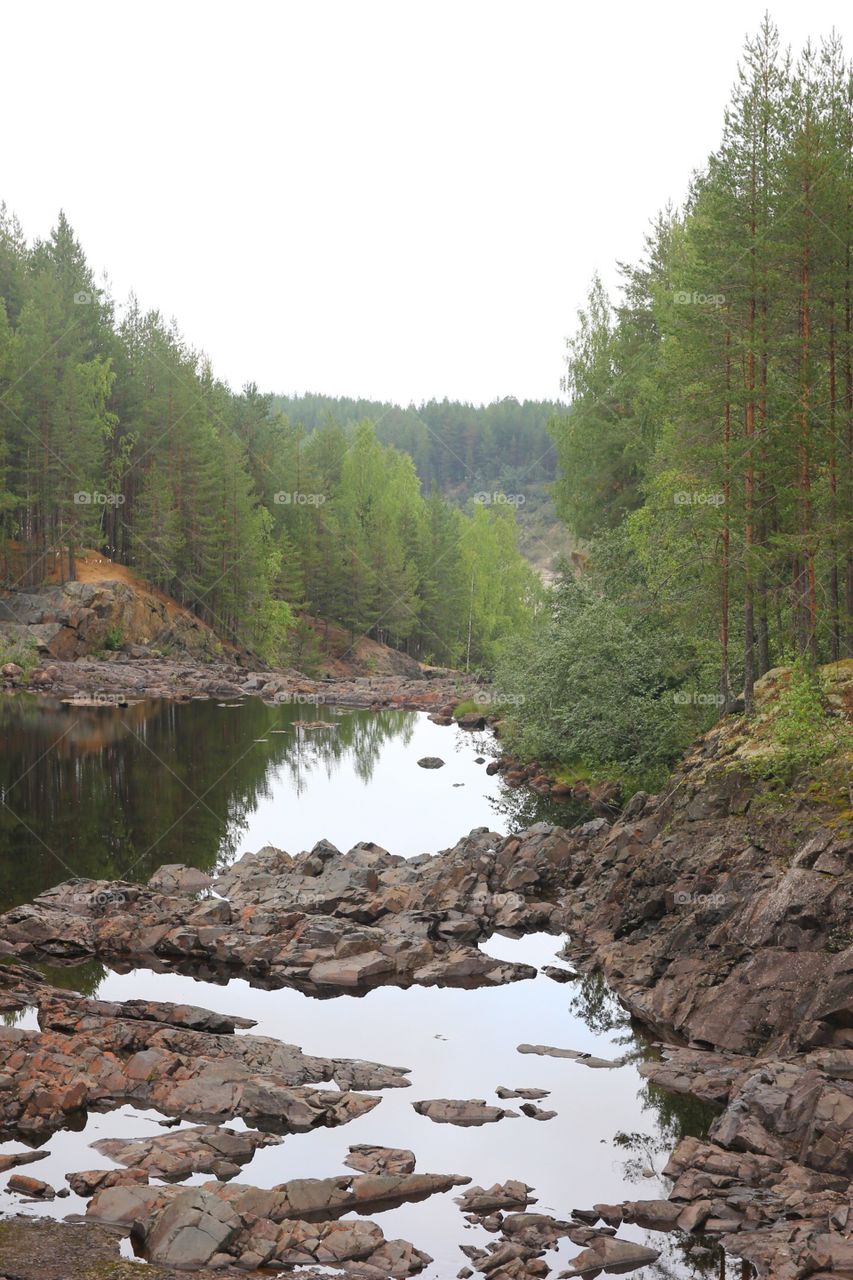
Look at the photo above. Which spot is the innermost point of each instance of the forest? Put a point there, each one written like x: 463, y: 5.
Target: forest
x: 702, y: 466
x: 458, y: 448
x: 115, y: 434
x: 706, y: 458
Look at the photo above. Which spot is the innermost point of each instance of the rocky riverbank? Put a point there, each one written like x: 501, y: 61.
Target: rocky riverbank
x: 719, y: 911
x: 114, y: 679
x: 111, y: 610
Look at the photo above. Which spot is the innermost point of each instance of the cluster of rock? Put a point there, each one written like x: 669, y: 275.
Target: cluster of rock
x: 94, y: 1054
x: 186, y: 1061
x: 174, y: 1156
x: 322, y: 921
x: 293, y: 1224
x: 720, y: 914
x: 525, y: 1237
x: 136, y: 672
x: 600, y: 797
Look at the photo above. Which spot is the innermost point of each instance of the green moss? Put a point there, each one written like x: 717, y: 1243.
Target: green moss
x: 576, y: 772
x: 471, y: 708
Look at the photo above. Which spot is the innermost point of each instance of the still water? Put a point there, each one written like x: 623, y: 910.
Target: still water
x: 113, y: 793
x: 117, y: 792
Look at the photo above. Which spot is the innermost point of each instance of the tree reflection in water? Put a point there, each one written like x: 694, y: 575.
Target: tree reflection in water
x: 673, y: 1116
x: 114, y: 792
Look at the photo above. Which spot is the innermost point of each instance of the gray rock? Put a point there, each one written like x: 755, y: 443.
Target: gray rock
x: 190, y: 1230
x: 464, y: 1112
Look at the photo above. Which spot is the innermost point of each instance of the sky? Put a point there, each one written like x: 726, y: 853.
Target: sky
x: 392, y: 199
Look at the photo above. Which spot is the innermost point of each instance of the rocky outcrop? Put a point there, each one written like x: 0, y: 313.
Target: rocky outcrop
x: 75, y: 619
x: 321, y: 921
x: 85, y: 1057
x: 214, y: 1225
x: 135, y: 672
x: 506, y: 1197
x: 368, y: 1159
x: 174, y: 1156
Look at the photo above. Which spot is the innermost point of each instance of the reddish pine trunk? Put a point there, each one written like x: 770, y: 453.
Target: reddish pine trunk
x: 725, y: 683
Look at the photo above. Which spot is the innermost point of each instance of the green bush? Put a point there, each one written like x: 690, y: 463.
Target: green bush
x: 595, y: 686
x: 114, y: 639
x: 802, y: 732
x: 24, y: 652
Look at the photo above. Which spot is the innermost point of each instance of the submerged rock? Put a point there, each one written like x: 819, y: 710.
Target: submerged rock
x: 585, y: 1059
x: 532, y: 1095
x: 17, y: 1158
x: 536, y: 1113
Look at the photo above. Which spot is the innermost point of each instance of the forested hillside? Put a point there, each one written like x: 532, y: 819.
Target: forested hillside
x: 458, y: 447
x: 501, y: 453
x: 116, y: 434
x: 707, y: 453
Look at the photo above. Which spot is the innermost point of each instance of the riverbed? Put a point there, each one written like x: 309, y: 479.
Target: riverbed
x: 117, y: 792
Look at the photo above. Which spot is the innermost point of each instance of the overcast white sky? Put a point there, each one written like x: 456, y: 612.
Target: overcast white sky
x: 381, y: 198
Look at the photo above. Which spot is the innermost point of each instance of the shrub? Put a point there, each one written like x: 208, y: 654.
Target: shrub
x: 114, y: 639
x: 802, y: 731
x: 23, y: 651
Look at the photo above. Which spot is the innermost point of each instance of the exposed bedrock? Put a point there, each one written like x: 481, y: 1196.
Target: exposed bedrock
x: 87, y: 1055
x: 322, y: 921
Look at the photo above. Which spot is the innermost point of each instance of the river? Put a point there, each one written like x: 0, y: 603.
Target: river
x: 116, y: 792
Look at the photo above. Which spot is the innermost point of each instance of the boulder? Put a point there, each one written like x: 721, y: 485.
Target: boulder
x: 466, y: 1113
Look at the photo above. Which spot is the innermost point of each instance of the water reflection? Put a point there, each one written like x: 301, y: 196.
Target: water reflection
x: 115, y: 792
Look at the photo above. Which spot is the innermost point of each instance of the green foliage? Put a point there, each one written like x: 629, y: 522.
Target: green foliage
x: 803, y: 732
x: 23, y: 652
x: 594, y: 685
x: 706, y: 458
x: 119, y: 437
x: 470, y: 707
x: 708, y: 415
x: 114, y: 638
x: 457, y: 448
